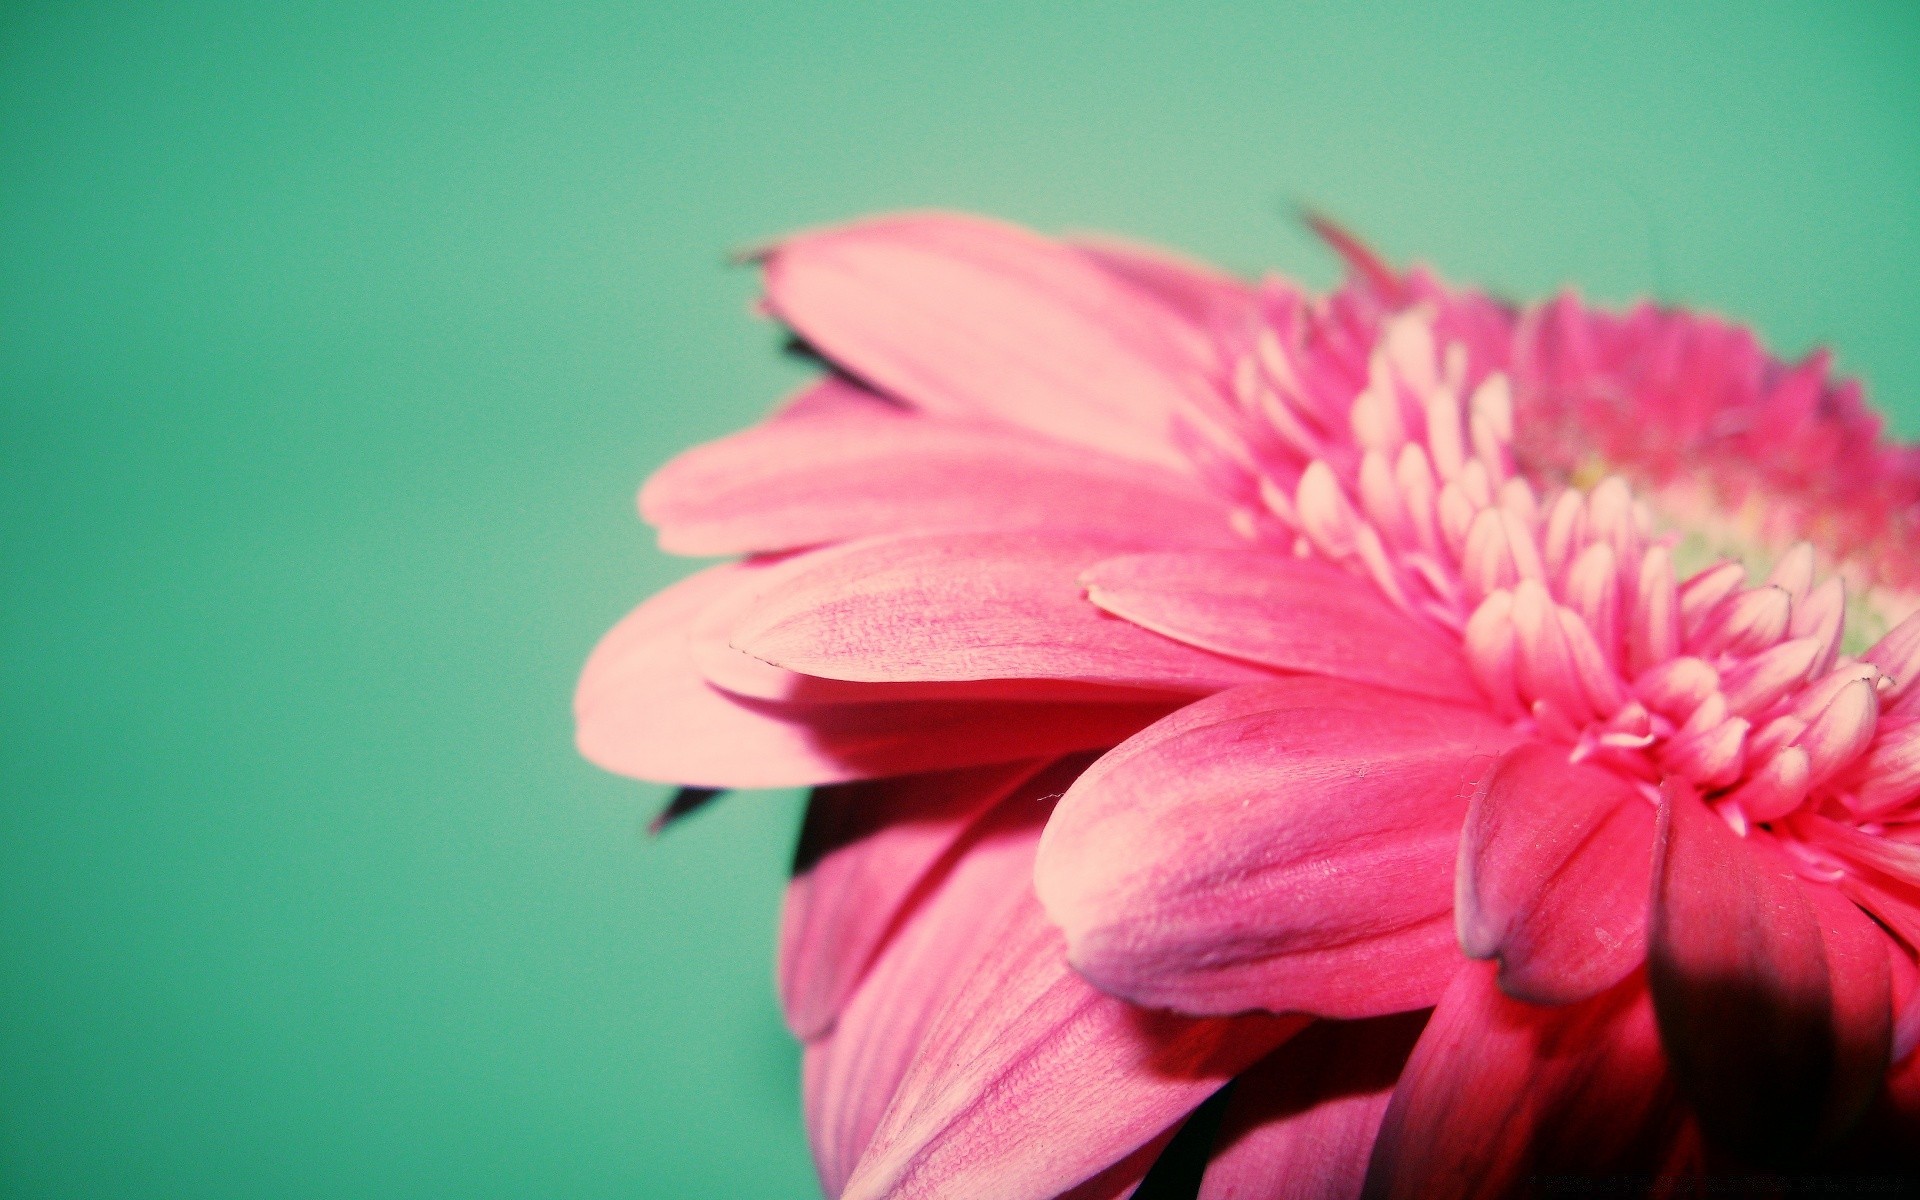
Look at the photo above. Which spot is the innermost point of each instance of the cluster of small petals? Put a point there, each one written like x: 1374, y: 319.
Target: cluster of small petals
x: 1568, y: 604
x: 1698, y: 411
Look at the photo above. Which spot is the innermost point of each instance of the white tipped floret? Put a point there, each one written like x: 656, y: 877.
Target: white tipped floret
x: 1489, y: 645
x: 1794, y: 572
x: 1703, y: 593
x: 1756, y: 684
x: 1747, y: 622
x: 1653, y: 636
x: 1325, y: 515
x: 1841, y: 731
x: 1898, y: 655
x: 1493, y: 401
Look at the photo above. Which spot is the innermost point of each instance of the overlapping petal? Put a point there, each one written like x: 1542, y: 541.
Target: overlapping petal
x: 1286, y: 612
x: 643, y: 708
x: 812, y: 480
x: 1553, y: 876
x: 1285, y: 845
x: 1498, y: 1091
x: 965, y: 317
x: 944, y: 607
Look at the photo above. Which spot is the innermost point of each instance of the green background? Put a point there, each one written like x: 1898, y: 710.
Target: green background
x: 334, y: 342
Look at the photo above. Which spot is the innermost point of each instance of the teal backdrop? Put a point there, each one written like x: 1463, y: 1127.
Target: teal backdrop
x: 335, y: 339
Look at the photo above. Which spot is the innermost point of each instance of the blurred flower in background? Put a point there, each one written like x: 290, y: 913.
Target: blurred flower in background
x: 1277, y: 744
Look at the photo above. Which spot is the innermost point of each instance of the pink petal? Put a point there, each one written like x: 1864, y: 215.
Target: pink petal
x: 1740, y: 982
x: 1287, y: 612
x: 852, y: 1074
x: 1029, y: 1081
x: 1286, y: 845
x: 1301, y: 1124
x: 710, y: 642
x: 1554, y: 870
x: 806, y: 481
x: 1196, y: 292
x: 1498, y: 1090
x: 835, y: 396
x: 865, y: 848
x: 643, y: 709
x: 967, y: 606
x: 965, y: 317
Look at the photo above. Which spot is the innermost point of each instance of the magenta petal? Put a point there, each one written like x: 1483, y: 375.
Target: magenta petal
x: 810, y: 480
x: 1301, y: 1123
x: 1030, y: 1081
x: 1286, y: 845
x: 1287, y: 612
x: 642, y: 708
x: 1740, y: 982
x: 972, y: 318
x: 966, y: 606
x: 1498, y: 1090
x: 1554, y: 869
x: 864, y: 849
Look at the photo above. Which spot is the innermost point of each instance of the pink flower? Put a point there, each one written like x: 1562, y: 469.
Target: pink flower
x: 1206, y: 682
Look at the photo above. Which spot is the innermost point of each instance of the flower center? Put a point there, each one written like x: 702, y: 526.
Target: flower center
x: 1574, y: 616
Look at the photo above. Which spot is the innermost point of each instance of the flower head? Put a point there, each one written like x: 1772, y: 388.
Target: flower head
x: 1336, y: 696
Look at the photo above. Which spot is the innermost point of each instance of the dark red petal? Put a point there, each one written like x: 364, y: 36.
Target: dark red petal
x: 1301, y: 1123
x: 1498, y: 1090
x: 1554, y: 868
x: 1739, y: 977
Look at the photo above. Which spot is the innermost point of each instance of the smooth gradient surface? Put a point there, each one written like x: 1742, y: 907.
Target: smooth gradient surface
x: 335, y: 341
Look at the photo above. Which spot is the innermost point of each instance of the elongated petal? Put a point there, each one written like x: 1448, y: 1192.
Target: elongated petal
x: 852, y: 1074
x: 643, y: 709
x: 967, y: 606
x: 1860, y: 977
x: 808, y: 481
x: 1286, y: 845
x: 965, y: 317
x: 864, y: 849
x: 1301, y: 1124
x: 1739, y: 978
x: 1031, y: 1080
x: 1554, y: 868
x: 1196, y: 292
x: 1497, y: 1091
x: 1286, y: 612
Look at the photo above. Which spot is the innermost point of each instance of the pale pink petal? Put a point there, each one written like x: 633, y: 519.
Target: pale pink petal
x: 710, y: 642
x: 864, y: 850
x: 1301, y: 1124
x: 1287, y: 612
x: 1498, y: 1091
x: 1554, y: 869
x: 1030, y: 1081
x: 643, y: 709
x: 812, y: 480
x: 1286, y: 845
x: 1193, y: 290
x: 965, y: 317
x: 1740, y: 982
x: 967, y: 606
